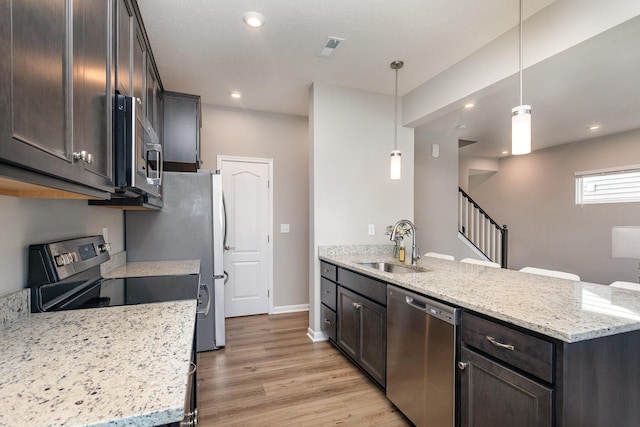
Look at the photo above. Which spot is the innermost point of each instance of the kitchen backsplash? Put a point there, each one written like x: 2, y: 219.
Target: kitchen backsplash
x: 15, y: 305
x: 115, y: 260
x: 355, y: 250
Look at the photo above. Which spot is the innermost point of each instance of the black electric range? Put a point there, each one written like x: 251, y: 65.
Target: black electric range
x: 65, y: 275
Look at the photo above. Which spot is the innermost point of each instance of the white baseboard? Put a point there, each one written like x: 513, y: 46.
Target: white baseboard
x: 290, y: 308
x: 316, y: 336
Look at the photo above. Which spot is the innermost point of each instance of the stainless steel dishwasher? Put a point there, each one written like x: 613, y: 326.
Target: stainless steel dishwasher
x: 421, y: 357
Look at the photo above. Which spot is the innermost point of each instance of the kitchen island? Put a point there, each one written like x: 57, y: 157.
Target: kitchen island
x: 533, y: 350
x: 115, y: 366
x: 563, y: 309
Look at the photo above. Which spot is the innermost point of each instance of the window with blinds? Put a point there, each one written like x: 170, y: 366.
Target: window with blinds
x: 608, y: 186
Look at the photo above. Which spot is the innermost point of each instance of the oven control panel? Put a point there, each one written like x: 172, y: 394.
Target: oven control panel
x: 55, y: 261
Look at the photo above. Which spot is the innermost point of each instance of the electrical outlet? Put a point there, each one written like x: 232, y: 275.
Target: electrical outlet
x: 372, y: 229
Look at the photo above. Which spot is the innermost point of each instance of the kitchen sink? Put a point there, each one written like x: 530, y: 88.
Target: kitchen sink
x: 393, y: 268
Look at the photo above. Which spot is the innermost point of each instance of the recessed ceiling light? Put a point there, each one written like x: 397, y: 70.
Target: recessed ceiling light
x: 594, y: 127
x: 253, y: 19
x: 235, y: 94
x: 469, y: 105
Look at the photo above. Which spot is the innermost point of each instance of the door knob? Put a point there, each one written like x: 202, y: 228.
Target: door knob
x: 229, y: 248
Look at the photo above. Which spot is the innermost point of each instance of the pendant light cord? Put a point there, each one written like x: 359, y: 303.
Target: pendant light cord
x: 395, y: 120
x: 520, y: 53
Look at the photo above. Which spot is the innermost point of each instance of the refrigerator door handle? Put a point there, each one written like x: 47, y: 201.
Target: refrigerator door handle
x: 205, y: 311
x: 224, y: 224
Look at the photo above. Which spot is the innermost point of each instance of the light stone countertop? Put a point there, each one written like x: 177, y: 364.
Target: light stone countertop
x: 154, y: 268
x: 115, y: 366
x: 563, y: 309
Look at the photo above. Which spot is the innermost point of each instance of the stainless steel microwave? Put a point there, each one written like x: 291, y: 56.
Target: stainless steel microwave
x: 138, y: 153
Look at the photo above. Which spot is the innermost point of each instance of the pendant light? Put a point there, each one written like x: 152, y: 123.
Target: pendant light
x: 396, y: 159
x: 521, y: 115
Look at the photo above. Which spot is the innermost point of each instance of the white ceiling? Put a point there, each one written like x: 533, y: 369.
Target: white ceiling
x: 203, y: 47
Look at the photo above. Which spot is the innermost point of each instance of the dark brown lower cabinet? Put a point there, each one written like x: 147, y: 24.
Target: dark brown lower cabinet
x: 492, y: 395
x: 362, y: 332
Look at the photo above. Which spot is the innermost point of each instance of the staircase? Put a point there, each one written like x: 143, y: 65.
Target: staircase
x: 481, y: 231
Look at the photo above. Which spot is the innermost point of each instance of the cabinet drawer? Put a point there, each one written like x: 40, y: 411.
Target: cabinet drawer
x: 363, y: 285
x: 530, y: 354
x: 328, y: 293
x: 328, y: 270
x: 328, y: 322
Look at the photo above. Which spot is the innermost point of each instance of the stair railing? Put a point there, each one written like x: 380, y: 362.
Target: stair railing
x: 481, y: 230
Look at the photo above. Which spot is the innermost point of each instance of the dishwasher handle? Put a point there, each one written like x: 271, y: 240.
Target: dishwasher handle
x: 433, y: 308
x: 420, y: 305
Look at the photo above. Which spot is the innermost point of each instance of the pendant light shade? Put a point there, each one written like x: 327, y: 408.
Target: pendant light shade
x: 521, y: 130
x: 521, y: 115
x: 395, y: 166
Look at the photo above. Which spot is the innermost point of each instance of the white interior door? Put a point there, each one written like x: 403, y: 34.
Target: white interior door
x: 247, y: 252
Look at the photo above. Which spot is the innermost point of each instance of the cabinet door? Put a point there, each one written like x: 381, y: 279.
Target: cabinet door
x: 181, y: 128
x: 36, y: 83
x: 92, y: 116
x: 348, y: 322
x: 139, y: 64
x: 493, y: 396
x: 152, y: 95
x: 328, y: 322
x: 373, y: 339
x: 124, y: 28
x: 56, y: 98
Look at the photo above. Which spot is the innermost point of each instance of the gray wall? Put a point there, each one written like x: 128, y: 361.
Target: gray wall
x: 283, y: 138
x: 535, y: 196
x: 27, y: 221
x: 352, y: 135
x: 436, y: 195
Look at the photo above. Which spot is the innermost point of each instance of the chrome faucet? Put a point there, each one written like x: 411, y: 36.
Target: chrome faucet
x: 414, y: 251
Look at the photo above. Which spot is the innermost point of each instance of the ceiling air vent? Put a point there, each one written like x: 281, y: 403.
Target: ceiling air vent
x: 330, y: 44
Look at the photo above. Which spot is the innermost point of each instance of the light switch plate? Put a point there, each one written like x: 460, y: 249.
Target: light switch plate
x: 372, y: 229
x: 284, y: 228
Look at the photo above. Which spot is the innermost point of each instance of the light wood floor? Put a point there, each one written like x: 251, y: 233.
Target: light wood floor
x: 271, y: 374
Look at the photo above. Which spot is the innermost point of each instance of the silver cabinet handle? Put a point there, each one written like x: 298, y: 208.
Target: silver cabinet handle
x: 462, y: 365
x: 497, y: 343
x: 356, y: 305
x: 327, y: 321
x: 326, y: 270
x: 327, y: 292
x: 84, y: 156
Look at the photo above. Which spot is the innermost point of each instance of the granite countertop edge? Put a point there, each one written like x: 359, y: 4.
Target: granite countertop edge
x: 557, y: 308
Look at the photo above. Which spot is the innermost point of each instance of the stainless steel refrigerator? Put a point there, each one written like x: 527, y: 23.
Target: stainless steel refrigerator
x: 191, y: 225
